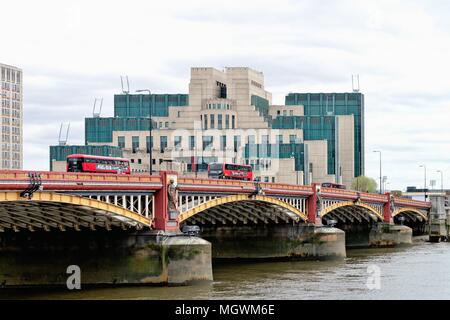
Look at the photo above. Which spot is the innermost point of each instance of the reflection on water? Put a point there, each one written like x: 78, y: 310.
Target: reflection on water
x: 417, y: 272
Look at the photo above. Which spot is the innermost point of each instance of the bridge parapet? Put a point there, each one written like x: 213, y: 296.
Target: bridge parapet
x: 61, y: 181
x: 413, y: 203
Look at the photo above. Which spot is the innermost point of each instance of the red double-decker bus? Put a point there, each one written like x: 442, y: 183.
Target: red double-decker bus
x: 230, y: 171
x: 333, y: 185
x: 97, y: 164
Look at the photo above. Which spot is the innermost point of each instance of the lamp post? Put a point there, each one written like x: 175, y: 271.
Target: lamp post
x: 442, y: 180
x: 377, y: 151
x: 150, y: 127
x: 425, y: 180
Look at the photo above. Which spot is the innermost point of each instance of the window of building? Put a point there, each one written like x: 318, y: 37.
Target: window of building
x: 177, y: 143
x: 205, y: 122
x: 284, y: 113
x: 162, y: 143
x: 233, y: 122
x: 132, y: 160
x: 266, y: 179
x: 278, y: 112
x: 291, y: 112
x: 251, y: 139
x: 279, y: 139
x: 166, y: 124
x: 148, y: 145
x: 207, y: 142
x: 139, y: 161
x: 121, y: 142
x: 191, y: 142
x: 273, y: 179
x: 292, y: 138
x: 227, y: 121
x: 211, y: 121
x: 265, y: 139
x: 223, y: 143
x: 237, y: 143
x: 135, y: 143
x: 219, y: 121
x: 160, y: 124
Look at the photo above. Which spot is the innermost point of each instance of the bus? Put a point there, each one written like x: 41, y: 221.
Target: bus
x: 333, y: 185
x: 230, y: 171
x: 97, y: 164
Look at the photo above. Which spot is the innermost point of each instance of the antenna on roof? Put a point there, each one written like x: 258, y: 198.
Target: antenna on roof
x: 97, y: 114
x: 128, y: 85
x: 355, y: 83
x: 62, y: 141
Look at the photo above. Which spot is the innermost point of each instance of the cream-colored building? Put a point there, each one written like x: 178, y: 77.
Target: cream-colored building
x: 228, y: 117
x: 11, y: 101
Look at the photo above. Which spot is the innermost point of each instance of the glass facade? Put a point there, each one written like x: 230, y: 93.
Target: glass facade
x: 314, y: 128
x: 331, y: 104
x: 137, y: 105
x: 99, y: 130
x: 262, y: 105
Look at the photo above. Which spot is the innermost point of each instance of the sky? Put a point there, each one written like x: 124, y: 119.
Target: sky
x: 72, y: 52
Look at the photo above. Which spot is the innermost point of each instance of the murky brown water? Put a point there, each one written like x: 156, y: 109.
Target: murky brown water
x: 421, y: 271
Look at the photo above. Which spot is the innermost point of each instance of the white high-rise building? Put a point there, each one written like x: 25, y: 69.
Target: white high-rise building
x: 11, y: 100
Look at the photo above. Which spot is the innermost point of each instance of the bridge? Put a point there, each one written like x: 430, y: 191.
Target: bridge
x: 81, y: 200
x: 240, y: 219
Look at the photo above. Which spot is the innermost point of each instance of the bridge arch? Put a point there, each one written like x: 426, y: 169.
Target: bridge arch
x: 349, y: 210
x: 410, y: 213
x: 243, y: 208
x: 48, y: 210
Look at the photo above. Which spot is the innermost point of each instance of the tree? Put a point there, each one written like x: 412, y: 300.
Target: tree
x: 364, y: 184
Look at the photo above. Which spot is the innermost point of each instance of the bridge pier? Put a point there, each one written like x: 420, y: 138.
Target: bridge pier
x: 305, y: 241
x: 388, y: 235
x: 439, y: 222
x: 103, y: 257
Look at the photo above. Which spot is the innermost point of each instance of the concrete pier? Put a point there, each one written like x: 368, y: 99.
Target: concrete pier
x: 389, y: 235
x: 439, y: 223
x: 103, y: 258
x: 299, y: 242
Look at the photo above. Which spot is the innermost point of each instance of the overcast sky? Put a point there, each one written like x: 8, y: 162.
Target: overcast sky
x: 72, y: 52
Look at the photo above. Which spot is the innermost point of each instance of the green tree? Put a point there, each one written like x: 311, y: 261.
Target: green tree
x: 364, y: 184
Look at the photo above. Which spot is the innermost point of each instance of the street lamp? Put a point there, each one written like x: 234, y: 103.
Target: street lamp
x: 425, y: 180
x: 442, y: 180
x: 150, y: 127
x: 377, y: 151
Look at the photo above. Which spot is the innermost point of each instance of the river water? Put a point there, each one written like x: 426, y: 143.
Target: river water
x: 420, y: 271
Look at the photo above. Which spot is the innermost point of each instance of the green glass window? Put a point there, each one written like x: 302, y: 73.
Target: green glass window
x: 207, y: 143
x: 191, y: 142
x: 223, y: 143
x: 162, y: 143
x: 135, y: 143
x: 121, y: 142
x: 177, y: 143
